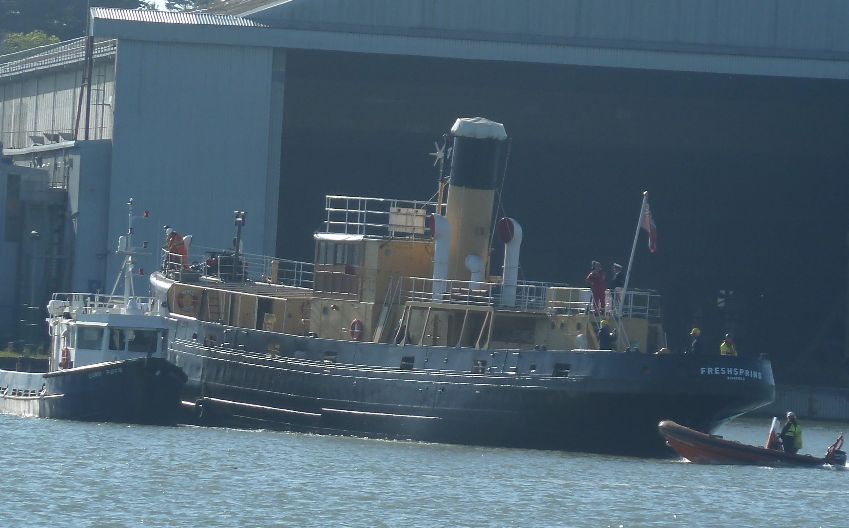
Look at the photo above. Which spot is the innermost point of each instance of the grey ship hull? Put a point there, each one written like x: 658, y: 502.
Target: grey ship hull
x: 578, y: 400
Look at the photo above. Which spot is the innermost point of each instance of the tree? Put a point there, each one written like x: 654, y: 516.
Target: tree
x: 189, y: 5
x: 22, y: 41
x: 64, y: 18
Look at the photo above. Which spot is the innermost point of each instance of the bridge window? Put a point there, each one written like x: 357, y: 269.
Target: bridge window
x: 117, y: 339
x: 330, y: 253
x: 89, y: 338
x: 142, y: 341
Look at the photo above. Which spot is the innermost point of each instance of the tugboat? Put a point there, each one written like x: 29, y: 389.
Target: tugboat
x: 400, y: 330
x: 106, y: 359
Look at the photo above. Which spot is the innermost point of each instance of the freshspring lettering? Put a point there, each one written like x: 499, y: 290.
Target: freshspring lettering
x: 732, y: 373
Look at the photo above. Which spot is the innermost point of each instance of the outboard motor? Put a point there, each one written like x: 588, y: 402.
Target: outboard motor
x: 834, y: 455
x: 838, y: 458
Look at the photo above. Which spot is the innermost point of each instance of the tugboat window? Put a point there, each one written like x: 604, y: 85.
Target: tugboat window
x: 142, y: 341
x: 116, y: 339
x: 89, y: 338
x: 479, y: 366
x: 407, y: 362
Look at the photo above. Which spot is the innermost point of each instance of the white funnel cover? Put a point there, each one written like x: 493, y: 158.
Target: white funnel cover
x: 442, y: 243
x: 478, y: 128
x: 510, y: 232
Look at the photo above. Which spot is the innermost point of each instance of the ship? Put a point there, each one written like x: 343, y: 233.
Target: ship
x: 106, y: 360
x: 399, y: 329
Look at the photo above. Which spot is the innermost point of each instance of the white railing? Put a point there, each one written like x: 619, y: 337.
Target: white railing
x: 530, y: 296
x: 643, y: 304
x: 356, y: 215
x: 221, y: 264
x: 88, y: 303
x: 420, y: 289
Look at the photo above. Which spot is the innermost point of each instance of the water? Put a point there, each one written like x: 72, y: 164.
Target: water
x: 77, y: 474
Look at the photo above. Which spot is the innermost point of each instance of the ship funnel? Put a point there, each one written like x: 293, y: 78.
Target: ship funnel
x: 510, y: 233
x: 478, y: 155
x: 442, y: 241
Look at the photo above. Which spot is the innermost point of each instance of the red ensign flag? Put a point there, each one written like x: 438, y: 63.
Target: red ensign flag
x: 650, y: 228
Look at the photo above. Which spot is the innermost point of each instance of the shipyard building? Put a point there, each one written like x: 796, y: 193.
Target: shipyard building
x: 733, y: 115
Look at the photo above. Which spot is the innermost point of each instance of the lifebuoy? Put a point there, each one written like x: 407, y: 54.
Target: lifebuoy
x: 186, y: 300
x: 356, y: 330
x: 65, y: 360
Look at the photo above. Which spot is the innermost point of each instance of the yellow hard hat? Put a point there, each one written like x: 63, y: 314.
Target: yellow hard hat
x: 695, y: 331
x: 604, y: 322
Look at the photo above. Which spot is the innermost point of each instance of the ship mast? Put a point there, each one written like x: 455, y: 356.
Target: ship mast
x: 125, y: 247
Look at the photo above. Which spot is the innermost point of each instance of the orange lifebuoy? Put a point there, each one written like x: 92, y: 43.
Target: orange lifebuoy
x: 65, y: 361
x: 186, y: 300
x: 356, y: 329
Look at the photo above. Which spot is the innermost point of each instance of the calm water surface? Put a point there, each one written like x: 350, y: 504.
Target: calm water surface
x: 59, y: 473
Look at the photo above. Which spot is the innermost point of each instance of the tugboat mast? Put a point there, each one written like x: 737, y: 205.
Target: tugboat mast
x: 125, y: 247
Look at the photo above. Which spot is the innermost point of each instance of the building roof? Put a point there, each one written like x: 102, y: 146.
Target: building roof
x: 793, y: 38
x: 172, y: 17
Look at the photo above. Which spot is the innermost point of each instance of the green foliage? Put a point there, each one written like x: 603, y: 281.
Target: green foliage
x: 23, y: 41
x: 64, y: 18
x: 188, y: 5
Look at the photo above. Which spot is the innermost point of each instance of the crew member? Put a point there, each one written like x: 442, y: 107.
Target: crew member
x: 726, y: 348
x: 617, y: 282
x: 606, y: 338
x: 695, y: 346
x: 791, y: 434
x: 178, y: 255
x: 596, y: 280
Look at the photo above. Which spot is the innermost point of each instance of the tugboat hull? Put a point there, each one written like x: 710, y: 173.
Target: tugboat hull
x: 144, y: 391
x: 584, y: 401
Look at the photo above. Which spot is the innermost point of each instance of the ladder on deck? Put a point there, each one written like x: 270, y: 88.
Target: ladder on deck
x: 213, y: 306
x: 393, y: 293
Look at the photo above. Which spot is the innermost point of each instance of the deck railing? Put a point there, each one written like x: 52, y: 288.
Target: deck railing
x: 89, y: 303
x: 382, y: 217
x: 222, y: 265
x: 529, y: 296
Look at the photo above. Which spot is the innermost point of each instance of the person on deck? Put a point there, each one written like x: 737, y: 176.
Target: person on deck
x: 606, y: 338
x: 791, y: 434
x: 597, y: 282
x: 726, y: 348
x: 695, y: 346
x: 617, y: 282
x: 177, y: 255
x: 618, y: 279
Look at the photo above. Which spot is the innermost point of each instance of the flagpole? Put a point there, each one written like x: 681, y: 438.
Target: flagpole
x: 631, y: 259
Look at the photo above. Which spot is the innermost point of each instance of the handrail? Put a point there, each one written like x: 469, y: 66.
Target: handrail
x: 89, y: 303
x: 359, y: 215
x: 530, y: 296
x: 218, y: 263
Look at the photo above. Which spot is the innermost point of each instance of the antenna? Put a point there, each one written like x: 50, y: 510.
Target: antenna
x: 125, y: 247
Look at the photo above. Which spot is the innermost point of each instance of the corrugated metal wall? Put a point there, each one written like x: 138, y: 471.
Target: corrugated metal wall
x: 192, y: 141
x: 779, y: 27
x: 46, y: 101
x: 809, y: 402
